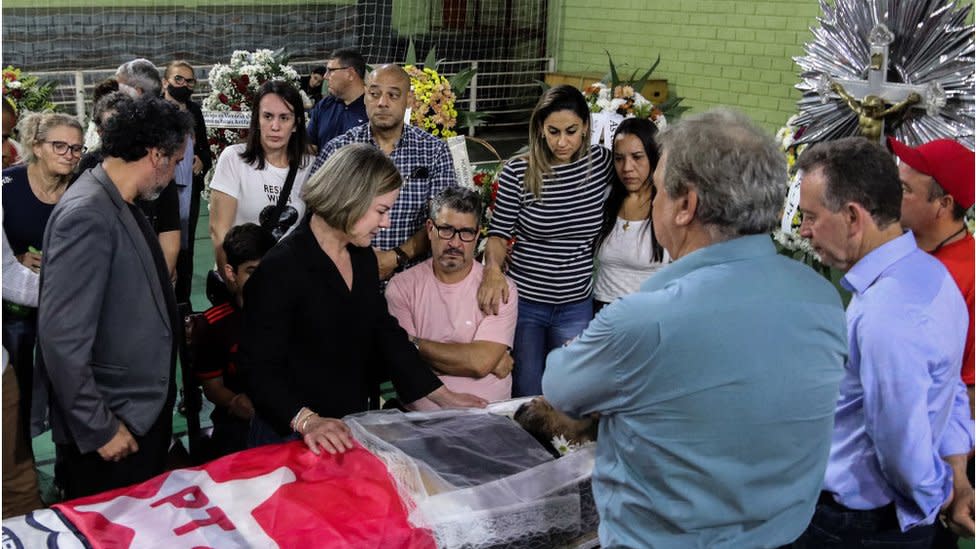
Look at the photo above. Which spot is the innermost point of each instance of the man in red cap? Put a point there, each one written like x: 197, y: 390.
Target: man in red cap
x: 938, y: 183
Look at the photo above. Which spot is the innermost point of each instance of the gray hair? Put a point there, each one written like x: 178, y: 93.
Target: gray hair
x: 734, y: 166
x: 142, y: 74
x: 341, y: 191
x: 459, y: 199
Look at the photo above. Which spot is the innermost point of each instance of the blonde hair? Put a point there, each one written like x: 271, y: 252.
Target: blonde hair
x: 176, y: 63
x: 341, y: 190
x: 35, y: 127
x: 539, y: 157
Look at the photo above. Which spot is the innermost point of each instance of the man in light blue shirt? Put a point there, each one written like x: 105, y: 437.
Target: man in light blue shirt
x: 902, y: 427
x: 715, y: 383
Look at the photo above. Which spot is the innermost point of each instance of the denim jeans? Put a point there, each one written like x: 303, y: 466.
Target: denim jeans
x: 541, y: 328
x: 836, y: 527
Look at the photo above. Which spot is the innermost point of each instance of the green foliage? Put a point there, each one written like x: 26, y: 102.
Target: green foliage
x: 459, y: 83
x: 672, y: 108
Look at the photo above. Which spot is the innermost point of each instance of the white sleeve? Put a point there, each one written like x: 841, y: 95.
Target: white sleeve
x: 226, y: 178
x: 20, y: 284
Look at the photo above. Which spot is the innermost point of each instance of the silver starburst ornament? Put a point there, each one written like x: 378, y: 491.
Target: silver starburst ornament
x: 890, y: 48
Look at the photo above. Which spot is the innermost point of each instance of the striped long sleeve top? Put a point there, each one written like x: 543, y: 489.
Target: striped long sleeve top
x: 552, y: 260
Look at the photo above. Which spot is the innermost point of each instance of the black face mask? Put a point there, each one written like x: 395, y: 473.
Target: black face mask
x: 181, y: 94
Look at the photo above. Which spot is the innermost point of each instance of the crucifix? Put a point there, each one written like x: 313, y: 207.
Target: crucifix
x: 868, y: 98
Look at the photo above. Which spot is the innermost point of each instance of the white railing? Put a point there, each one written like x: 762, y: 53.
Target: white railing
x: 498, y: 89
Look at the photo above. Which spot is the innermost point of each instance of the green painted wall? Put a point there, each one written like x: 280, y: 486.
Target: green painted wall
x: 713, y: 52
x: 42, y: 4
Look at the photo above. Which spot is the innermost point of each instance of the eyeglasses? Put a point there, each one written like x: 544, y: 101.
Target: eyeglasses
x: 447, y: 232
x: 188, y: 81
x: 62, y: 148
x: 333, y: 69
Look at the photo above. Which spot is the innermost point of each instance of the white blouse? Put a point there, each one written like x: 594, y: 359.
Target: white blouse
x: 625, y: 260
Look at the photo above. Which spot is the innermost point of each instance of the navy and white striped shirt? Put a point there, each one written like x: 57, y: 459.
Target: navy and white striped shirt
x: 552, y: 260
x: 425, y: 164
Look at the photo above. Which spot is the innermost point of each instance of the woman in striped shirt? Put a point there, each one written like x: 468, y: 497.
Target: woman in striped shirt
x: 551, y: 202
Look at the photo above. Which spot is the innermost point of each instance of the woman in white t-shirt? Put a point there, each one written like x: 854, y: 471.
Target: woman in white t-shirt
x: 249, y: 176
x: 627, y: 252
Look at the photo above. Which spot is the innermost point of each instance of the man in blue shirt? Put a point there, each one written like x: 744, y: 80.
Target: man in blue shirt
x: 343, y: 109
x: 715, y: 383
x: 423, y: 160
x: 902, y: 426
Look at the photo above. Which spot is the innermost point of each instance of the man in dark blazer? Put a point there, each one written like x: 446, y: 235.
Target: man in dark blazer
x: 107, y: 322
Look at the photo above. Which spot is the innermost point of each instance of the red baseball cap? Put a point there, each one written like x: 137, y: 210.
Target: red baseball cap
x: 950, y: 163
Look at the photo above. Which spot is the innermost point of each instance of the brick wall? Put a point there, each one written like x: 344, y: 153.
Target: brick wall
x: 713, y: 52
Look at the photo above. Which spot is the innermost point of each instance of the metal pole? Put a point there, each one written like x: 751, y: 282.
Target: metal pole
x: 80, y: 95
x: 474, y: 95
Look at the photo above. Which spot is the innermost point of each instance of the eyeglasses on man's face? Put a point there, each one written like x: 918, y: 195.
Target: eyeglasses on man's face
x: 329, y: 70
x: 62, y: 148
x: 181, y: 81
x: 447, y: 232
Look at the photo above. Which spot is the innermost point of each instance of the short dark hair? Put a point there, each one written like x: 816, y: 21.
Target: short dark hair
x: 253, y: 151
x: 246, y: 242
x: 145, y: 123
x: 936, y: 192
x: 318, y: 69
x: 103, y: 88
x: 108, y: 102
x: 350, y: 58
x: 857, y: 170
x: 459, y: 199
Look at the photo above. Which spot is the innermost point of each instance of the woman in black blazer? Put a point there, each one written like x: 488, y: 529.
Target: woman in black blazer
x: 316, y: 329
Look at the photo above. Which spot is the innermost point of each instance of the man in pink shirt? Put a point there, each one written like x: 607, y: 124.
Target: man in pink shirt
x: 436, y: 303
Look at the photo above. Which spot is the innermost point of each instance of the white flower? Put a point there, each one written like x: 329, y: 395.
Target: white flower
x: 562, y: 445
x: 263, y: 57
x: 616, y: 104
x: 14, y: 84
x: 794, y: 242
x: 290, y: 73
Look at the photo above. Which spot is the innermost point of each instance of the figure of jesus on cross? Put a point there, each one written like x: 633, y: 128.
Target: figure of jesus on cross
x: 868, y: 98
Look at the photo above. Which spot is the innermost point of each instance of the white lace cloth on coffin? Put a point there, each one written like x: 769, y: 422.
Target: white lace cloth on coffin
x: 536, y: 500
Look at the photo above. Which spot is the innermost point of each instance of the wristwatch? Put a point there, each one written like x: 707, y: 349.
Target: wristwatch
x: 402, y: 257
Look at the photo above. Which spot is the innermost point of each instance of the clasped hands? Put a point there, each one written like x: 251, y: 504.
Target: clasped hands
x: 120, y: 446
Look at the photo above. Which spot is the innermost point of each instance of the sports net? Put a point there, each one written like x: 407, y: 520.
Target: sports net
x: 508, y: 37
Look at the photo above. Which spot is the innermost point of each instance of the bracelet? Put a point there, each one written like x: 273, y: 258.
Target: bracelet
x: 304, y: 412
x: 305, y: 422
